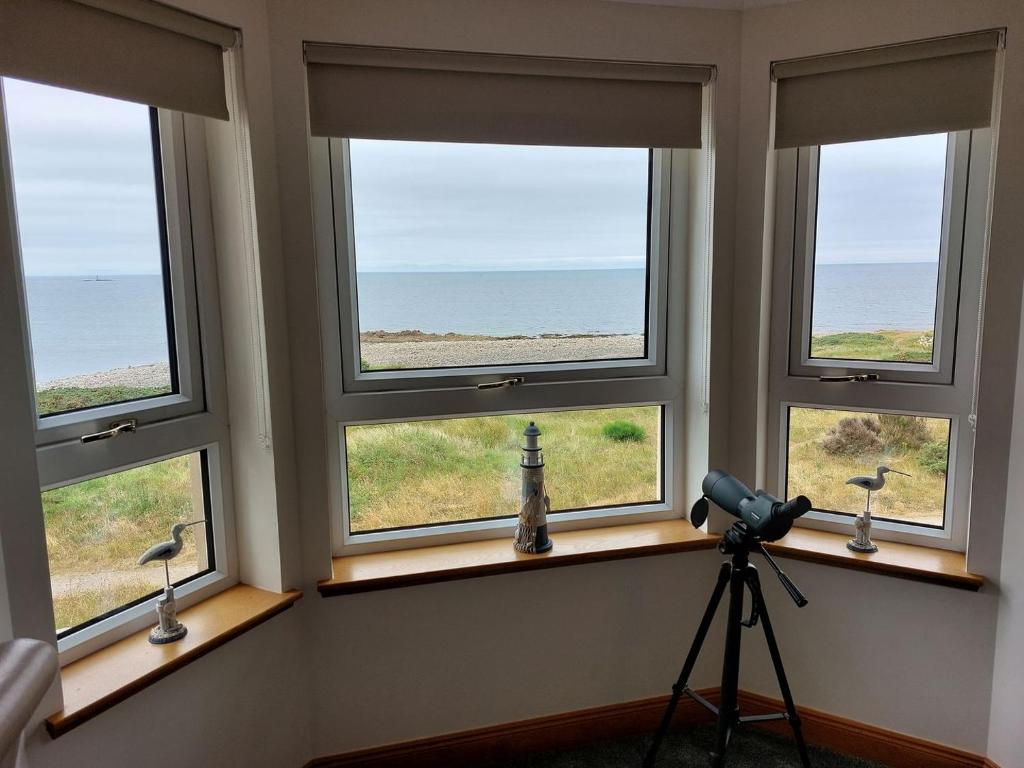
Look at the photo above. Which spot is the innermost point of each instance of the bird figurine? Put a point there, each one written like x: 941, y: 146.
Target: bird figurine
x: 862, y: 542
x: 169, y: 628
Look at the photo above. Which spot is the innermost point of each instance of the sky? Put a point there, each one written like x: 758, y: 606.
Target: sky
x: 881, y: 201
x: 83, y: 182
x: 84, y: 187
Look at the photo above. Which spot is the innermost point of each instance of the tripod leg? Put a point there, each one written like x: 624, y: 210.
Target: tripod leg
x: 727, y: 707
x: 691, y: 659
x: 780, y: 672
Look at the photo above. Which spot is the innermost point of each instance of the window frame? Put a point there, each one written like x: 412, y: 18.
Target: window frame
x: 179, y: 259
x: 344, y: 276
x: 940, y: 370
x: 372, y: 399
x: 944, y: 389
x: 195, y: 420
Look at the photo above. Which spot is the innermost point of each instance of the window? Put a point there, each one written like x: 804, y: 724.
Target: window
x: 457, y: 259
x: 114, y: 287
x: 509, y: 239
x: 96, y: 529
x: 460, y: 265
x: 405, y: 475
x: 875, y: 326
x: 472, y: 255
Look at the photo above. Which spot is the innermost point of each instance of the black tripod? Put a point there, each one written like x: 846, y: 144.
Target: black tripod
x: 737, y: 574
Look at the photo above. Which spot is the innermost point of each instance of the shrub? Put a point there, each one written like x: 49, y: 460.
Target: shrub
x: 622, y: 431
x: 905, y: 433
x: 853, y: 436
x: 932, y: 458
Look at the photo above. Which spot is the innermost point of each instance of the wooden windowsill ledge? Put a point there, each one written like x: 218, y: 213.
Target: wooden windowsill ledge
x: 905, y: 561
x: 449, y: 562
x: 100, y: 680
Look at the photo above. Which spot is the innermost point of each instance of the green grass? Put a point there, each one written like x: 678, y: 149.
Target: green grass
x: 623, y: 431
x: 822, y: 476
x: 421, y: 472
x: 64, y: 399
x: 890, y: 346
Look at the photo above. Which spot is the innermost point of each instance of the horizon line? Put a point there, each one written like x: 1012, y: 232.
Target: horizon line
x: 590, y: 268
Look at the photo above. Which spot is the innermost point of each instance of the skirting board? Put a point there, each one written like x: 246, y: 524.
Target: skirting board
x: 512, y: 740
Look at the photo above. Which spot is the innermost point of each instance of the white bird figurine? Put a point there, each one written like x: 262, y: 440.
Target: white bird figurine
x: 862, y: 542
x: 167, y: 550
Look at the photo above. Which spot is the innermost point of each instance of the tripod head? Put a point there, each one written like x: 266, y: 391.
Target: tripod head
x: 740, y: 540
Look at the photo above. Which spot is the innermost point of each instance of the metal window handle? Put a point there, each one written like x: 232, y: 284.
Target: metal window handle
x: 117, y: 428
x: 854, y: 377
x: 515, y: 381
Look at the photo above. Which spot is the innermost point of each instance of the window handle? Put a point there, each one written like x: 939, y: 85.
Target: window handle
x: 117, y: 428
x: 515, y: 381
x: 854, y: 377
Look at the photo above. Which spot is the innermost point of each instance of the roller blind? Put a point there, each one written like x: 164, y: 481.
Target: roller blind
x: 388, y: 93
x: 930, y: 86
x: 134, y: 50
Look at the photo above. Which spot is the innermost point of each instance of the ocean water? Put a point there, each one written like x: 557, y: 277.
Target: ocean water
x: 526, y: 303
x: 82, y: 326
x: 874, y: 297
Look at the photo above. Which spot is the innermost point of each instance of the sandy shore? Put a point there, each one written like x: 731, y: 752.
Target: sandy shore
x: 413, y: 349
x: 431, y: 351
x: 156, y: 375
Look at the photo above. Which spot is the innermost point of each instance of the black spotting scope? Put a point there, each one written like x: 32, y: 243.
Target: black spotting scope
x: 766, y: 517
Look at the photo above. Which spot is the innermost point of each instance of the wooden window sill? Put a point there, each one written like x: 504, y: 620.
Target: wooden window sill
x: 100, y: 680
x: 448, y: 562
x: 905, y: 561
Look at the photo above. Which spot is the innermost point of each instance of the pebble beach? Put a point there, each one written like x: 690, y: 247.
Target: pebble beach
x: 412, y: 349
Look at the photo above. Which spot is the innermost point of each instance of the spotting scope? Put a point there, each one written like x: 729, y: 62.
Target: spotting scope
x: 766, y: 517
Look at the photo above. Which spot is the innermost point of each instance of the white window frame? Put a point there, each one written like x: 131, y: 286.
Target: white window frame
x: 191, y: 421
x: 354, y: 398
x: 943, y: 389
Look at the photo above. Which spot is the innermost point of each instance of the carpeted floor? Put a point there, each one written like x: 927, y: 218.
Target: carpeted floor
x: 750, y: 748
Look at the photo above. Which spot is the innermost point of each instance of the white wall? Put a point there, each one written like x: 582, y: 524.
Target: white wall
x: 237, y: 706
x: 1006, y: 737
x: 344, y: 673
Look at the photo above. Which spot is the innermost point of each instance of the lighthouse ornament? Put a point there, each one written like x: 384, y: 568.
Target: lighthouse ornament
x: 532, y: 528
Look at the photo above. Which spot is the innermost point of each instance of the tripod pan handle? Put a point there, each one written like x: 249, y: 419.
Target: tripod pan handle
x: 793, y: 589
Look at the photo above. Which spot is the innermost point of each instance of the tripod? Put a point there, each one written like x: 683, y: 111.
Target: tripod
x: 738, y: 573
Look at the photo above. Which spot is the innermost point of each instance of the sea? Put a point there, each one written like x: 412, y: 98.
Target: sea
x: 96, y: 323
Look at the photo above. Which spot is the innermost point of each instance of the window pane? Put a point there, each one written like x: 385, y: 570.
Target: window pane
x: 827, y: 448
x: 876, y: 255
x: 429, y: 472
x: 97, y: 529
x: 471, y: 254
x: 89, y: 218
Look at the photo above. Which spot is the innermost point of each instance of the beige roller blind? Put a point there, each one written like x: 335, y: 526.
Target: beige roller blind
x: 134, y: 50
x: 386, y: 93
x: 930, y: 86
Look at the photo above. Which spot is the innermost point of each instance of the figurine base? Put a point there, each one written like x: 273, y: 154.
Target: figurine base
x: 855, y: 546
x: 163, y: 636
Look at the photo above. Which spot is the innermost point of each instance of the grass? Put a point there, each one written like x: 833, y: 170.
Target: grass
x: 62, y: 399
x: 623, y: 431
x: 81, y: 604
x: 822, y: 476
x: 890, y: 346
x: 421, y: 472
